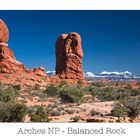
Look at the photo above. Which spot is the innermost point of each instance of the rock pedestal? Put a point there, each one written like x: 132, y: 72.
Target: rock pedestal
x: 69, y: 56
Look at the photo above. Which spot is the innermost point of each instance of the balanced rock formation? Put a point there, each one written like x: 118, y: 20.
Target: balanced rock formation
x: 8, y: 63
x: 69, y: 57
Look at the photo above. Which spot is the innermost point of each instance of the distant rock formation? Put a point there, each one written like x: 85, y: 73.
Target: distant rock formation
x: 69, y: 57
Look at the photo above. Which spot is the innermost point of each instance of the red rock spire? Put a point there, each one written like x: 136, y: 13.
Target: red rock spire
x: 69, y: 56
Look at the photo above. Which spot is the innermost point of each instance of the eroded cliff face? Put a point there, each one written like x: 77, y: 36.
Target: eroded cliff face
x: 11, y: 70
x: 8, y: 63
x: 69, y: 57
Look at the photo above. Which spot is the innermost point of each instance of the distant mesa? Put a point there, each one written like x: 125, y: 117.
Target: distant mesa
x: 69, y: 55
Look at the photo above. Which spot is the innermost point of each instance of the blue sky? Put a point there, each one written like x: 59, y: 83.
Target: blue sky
x: 110, y: 39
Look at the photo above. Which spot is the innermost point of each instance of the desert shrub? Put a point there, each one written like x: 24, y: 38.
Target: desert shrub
x: 93, y: 112
x: 12, y: 112
x: 121, y: 94
x: 75, y: 118
x: 36, y: 87
x: 62, y: 84
x: 8, y: 94
x: 63, y: 113
x: 118, y: 110
x: 55, y: 113
x: 132, y: 107
x: 69, y: 111
x: 94, y: 88
x: 55, y: 105
x: 128, y: 86
x: 71, y: 95
x: 110, y: 94
x: 42, y: 96
x: 134, y: 92
x: 51, y: 90
x: 60, y: 108
x: 104, y: 94
x: 97, y: 84
x: 16, y: 87
x: 39, y: 114
x: 139, y: 98
x: 79, y: 84
x: 28, y: 88
x: 89, y: 89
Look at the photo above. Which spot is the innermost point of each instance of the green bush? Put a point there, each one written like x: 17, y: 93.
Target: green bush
x: 118, y: 111
x: 134, y: 92
x: 132, y: 107
x: 8, y: 94
x: 93, y: 112
x: 129, y: 86
x: 55, y: 113
x: 71, y: 95
x: 89, y: 89
x: 42, y: 96
x: 75, y: 118
x: 139, y: 98
x: 12, y: 112
x: 110, y: 94
x: 51, y: 91
x: 38, y: 114
x: 28, y: 88
x: 69, y: 111
x: 79, y: 84
x: 36, y: 87
x: 55, y: 105
x: 94, y: 88
x: 60, y: 108
x: 16, y: 87
x: 97, y: 84
x: 62, y: 84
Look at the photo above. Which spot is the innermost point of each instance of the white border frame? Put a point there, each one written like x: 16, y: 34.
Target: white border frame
x: 69, y: 4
